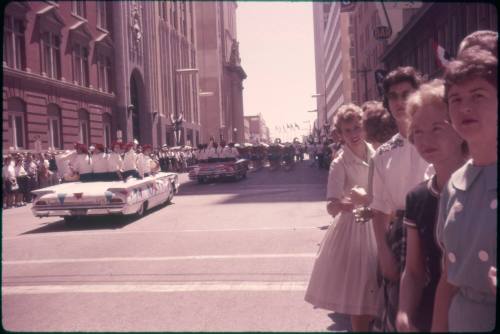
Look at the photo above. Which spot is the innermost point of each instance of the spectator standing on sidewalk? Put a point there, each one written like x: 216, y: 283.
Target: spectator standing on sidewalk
x: 21, y: 179
x: 437, y: 142
x: 32, y: 171
x: 344, y: 277
x: 467, y: 221
x: 397, y: 169
x: 9, y: 180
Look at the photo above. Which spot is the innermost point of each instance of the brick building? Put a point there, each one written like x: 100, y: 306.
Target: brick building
x: 96, y: 71
x: 58, y: 65
x: 258, y: 131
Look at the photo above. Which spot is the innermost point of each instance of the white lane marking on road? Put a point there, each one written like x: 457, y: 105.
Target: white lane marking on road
x: 80, y: 233
x: 162, y: 258
x: 128, y: 288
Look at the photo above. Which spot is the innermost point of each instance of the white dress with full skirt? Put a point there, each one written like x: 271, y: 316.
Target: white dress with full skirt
x: 344, y: 277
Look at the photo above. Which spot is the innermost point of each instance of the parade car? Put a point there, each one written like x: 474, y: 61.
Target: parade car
x: 220, y: 169
x: 133, y: 197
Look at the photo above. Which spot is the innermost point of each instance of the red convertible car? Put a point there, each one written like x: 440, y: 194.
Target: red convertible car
x: 216, y: 169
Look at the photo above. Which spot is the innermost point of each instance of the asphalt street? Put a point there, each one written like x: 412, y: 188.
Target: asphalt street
x: 226, y: 256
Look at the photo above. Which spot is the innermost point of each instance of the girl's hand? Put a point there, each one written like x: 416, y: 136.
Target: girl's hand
x: 402, y: 322
x: 359, y: 196
x: 335, y: 206
x: 492, y: 279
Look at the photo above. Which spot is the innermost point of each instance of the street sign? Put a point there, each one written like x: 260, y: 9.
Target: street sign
x: 382, y: 32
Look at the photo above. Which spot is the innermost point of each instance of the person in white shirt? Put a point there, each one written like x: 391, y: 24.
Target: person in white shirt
x: 202, y: 153
x: 397, y: 168
x: 227, y: 153
x: 234, y: 151
x: 9, y: 179
x: 82, y: 163
x: 21, y: 179
x: 141, y: 164
x: 146, y: 160
x: 130, y: 162
x: 311, y: 152
x: 115, y: 162
x: 100, y: 163
x: 212, y: 152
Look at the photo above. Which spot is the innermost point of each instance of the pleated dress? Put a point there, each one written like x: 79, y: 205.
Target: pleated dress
x: 344, y: 276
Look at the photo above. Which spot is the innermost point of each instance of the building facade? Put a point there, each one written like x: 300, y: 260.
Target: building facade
x: 58, y: 72
x: 94, y: 72
x: 258, y: 131
x: 220, y: 71
x: 445, y: 24
x: 332, y: 43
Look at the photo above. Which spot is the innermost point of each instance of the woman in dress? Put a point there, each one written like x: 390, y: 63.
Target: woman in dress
x: 437, y: 143
x: 467, y: 221
x: 344, y: 277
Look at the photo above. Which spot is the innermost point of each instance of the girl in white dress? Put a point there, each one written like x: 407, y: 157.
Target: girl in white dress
x: 344, y: 277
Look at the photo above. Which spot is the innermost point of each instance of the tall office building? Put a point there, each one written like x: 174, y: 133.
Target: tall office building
x: 333, y: 62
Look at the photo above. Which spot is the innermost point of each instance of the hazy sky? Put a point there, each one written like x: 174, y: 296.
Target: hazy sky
x: 277, y: 53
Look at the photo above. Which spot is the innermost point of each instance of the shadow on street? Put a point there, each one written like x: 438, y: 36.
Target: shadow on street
x: 341, y: 323
x: 302, y: 184
x: 91, y: 223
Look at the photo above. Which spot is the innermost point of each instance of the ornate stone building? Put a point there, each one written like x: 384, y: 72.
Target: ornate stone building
x: 96, y: 71
x: 155, y: 39
x: 58, y: 69
x: 220, y: 71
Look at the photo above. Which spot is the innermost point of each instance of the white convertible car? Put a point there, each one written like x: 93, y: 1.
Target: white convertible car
x: 75, y: 199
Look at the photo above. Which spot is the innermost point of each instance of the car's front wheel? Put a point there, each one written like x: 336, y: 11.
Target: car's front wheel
x: 141, y: 210
x: 171, y: 193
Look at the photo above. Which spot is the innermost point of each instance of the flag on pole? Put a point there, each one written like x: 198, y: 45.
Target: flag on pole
x: 443, y: 58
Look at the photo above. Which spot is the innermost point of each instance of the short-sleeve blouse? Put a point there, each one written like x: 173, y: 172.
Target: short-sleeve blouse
x: 346, y: 171
x: 467, y: 230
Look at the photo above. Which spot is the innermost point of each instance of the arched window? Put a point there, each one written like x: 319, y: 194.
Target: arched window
x: 17, y: 122
x: 54, y: 118
x: 84, y: 126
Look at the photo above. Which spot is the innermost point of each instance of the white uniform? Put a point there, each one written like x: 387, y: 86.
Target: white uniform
x: 100, y: 163
x: 115, y: 162
x: 8, y: 171
x: 19, y: 170
x: 397, y: 168
x: 227, y: 152
x: 202, y: 154
x: 82, y: 164
x: 235, y: 152
x: 130, y: 161
x: 146, y: 162
x: 141, y: 164
x: 211, y: 153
